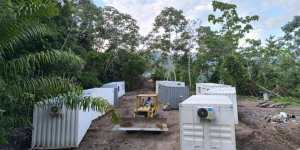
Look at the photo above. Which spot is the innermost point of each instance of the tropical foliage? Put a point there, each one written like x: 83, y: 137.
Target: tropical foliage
x: 57, y: 48
x: 24, y: 75
x: 253, y: 68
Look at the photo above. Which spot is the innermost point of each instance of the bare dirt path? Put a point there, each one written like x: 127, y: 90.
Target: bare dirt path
x: 101, y: 137
x: 252, y: 133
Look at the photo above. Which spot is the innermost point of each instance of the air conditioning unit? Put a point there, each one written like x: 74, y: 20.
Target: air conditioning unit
x: 207, y: 123
x: 206, y: 113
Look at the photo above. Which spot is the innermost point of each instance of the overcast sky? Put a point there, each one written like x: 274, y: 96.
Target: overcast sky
x: 273, y: 13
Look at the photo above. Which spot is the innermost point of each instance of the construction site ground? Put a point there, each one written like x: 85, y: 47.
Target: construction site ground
x: 252, y: 133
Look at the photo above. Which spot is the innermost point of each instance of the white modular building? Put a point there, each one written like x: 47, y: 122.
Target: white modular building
x: 109, y: 94
x: 230, y: 92
x: 119, y: 85
x: 207, y: 123
x: 201, y: 88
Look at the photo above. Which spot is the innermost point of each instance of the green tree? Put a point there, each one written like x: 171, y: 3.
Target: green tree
x: 88, y: 21
x: 22, y: 77
x: 233, y: 26
x: 77, y: 26
x: 292, y: 35
x: 219, y: 46
x: 118, y: 31
x: 170, y: 25
x: 233, y: 71
x: 93, y: 75
x: 169, y: 36
x: 113, y: 40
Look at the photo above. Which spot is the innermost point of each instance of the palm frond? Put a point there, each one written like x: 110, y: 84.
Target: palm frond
x: 36, y: 8
x: 43, y: 87
x: 25, y: 25
x: 15, y: 32
x: 76, y: 100
x: 31, y: 62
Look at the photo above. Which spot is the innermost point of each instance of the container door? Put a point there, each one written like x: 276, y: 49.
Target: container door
x: 163, y: 94
x: 222, y: 130
x: 116, y: 98
x: 198, y: 131
x: 191, y: 130
x: 173, y: 95
x: 182, y: 94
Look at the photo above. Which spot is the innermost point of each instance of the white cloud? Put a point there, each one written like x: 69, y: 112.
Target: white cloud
x: 254, y: 34
x: 292, y: 6
x: 203, y: 7
x: 275, y: 22
x: 144, y: 11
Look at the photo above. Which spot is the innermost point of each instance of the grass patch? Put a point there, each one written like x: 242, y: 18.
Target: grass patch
x: 293, y: 101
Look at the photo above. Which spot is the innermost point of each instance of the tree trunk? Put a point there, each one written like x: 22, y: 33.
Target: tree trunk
x: 189, y: 69
x: 174, y: 74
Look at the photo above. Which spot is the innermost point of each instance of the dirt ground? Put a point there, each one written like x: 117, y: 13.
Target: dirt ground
x: 255, y: 133
x: 252, y: 133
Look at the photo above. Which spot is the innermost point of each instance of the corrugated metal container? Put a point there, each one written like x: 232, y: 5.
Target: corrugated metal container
x: 120, y: 85
x: 297, y: 118
x: 173, y: 95
x: 200, y: 133
x: 54, y: 132
x: 203, y: 87
x: 229, y: 92
x: 168, y: 83
x: 67, y: 128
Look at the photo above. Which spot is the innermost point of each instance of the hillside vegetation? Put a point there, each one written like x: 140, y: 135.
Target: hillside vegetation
x: 51, y: 48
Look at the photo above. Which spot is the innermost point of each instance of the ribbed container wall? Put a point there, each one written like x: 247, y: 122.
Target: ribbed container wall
x: 67, y: 129
x: 54, y: 132
x: 201, y: 88
x: 230, y: 92
x: 168, y: 83
x: 173, y: 95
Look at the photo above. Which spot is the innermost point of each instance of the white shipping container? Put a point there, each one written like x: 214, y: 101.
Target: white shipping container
x: 67, y: 129
x: 213, y: 130
x: 120, y: 85
x: 106, y: 93
x: 230, y: 92
x: 201, y: 88
x: 168, y: 83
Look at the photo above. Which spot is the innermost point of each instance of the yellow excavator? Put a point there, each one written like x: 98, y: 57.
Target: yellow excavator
x: 147, y: 116
x: 147, y: 105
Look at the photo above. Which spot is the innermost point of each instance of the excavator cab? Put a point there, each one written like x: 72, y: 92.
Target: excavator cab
x: 147, y: 105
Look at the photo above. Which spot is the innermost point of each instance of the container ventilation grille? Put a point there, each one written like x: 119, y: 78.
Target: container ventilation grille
x: 192, y: 132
